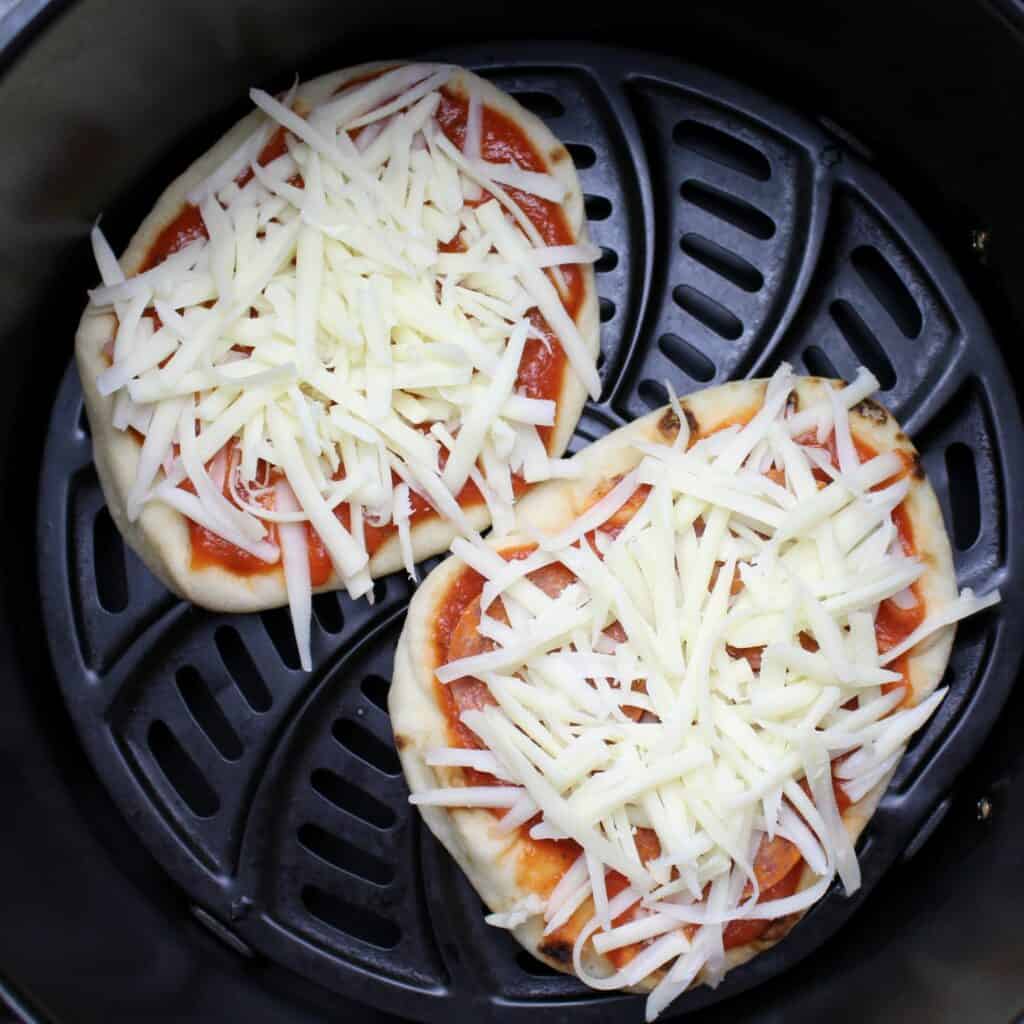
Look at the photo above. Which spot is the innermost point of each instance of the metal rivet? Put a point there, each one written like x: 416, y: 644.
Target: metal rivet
x: 360, y: 712
x: 980, y: 238
x: 831, y: 156
x: 240, y: 908
x: 984, y: 809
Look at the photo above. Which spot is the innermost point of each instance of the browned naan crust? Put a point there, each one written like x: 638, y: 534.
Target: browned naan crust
x: 160, y: 535
x: 488, y: 859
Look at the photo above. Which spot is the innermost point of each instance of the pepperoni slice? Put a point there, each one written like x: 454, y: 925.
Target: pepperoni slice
x: 775, y: 859
x: 739, y: 933
x: 466, y: 641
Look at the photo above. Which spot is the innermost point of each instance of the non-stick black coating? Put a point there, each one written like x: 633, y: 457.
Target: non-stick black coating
x: 48, y: 212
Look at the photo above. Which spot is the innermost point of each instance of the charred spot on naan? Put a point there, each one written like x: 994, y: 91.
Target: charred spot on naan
x: 557, y: 950
x: 871, y: 410
x: 668, y: 425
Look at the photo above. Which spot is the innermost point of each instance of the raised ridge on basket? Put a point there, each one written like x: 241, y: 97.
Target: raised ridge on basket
x: 351, y: 799
x: 242, y: 669
x: 182, y: 772
x: 207, y: 713
x: 863, y: 342
x: 722, y: 147
x: 351, y: 919
x: 886, y: 285
x: 366, y: 746
x: 345, y: 855
x: 710, y: 313
x: 722, y: 261
x: 729, y: 208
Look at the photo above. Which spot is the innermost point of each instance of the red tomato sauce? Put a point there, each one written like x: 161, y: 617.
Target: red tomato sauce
x: 211, y: 550
x: 543, y: 365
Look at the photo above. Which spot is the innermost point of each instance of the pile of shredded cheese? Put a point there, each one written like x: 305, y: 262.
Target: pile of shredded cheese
x: 714, y: 764
x: 323, y: 336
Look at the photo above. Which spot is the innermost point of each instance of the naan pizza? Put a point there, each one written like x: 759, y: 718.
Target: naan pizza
x: 363, y: 323
x: 651, y: 722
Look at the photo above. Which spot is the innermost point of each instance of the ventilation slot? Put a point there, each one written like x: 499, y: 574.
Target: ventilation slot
x: 542, y: 104
x: 207, y: 713
x: 608, y: 262
x: 886, y: 286
x: 737, y: 212
x: 864, y: 344
x: 327, y: 609
x: 344, y: 917
x: 818, y: 364
x: 689, y: 359
x: 535, y: 968
x: 336, y: 790
x: 366, y: 747
x: 711, y: 314
x: 375, y: 689
x: 606, y: 309
x: 582, y: 156
x: 181, y: 772
x: 652, y: 394
x: 963, y: 494
x: 723, y: 149
x: 108, y: 562
x: 278, y: 624
x: 242, y: 669
x: 597, y: 207
x: 344, y: 856
x: 720, y: 261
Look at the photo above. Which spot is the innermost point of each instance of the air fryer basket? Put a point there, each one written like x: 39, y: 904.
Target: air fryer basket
x: 736, y: 234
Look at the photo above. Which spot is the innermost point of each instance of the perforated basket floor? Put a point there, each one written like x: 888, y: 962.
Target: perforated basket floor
x: 735, y: 234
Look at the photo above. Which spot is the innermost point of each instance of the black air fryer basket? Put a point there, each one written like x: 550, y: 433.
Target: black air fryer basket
x: 194, y: 829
